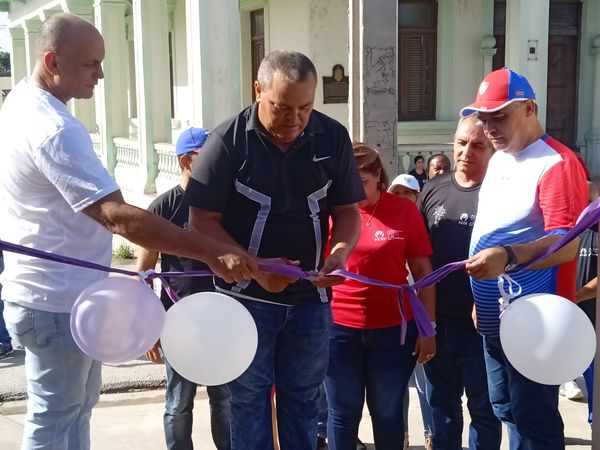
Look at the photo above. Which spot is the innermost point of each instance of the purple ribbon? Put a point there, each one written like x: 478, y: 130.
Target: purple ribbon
x: 588, y: 217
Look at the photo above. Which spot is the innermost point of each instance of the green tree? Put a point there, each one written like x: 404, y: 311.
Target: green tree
x: 4, y: 61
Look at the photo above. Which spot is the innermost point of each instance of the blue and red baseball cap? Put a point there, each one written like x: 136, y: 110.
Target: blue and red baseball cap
x: 191, y: 140
x: 498, y: 90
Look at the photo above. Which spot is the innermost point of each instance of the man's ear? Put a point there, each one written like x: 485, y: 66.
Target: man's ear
x: 257, y: 90
x: 51, y: 63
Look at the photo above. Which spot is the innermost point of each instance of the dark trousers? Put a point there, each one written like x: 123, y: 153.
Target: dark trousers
x: 371, y: 361
x: 459, y: 366
x: 529, y: 409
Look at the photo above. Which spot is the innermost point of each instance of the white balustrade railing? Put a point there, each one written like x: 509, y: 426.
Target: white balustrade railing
x: 128, y: 152
x: 168, y: 165
x: 405, y: 158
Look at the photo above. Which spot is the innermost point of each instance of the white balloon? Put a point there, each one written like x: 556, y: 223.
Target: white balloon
x: 547, y: 338
x: 209, y: 338
x: 117, y: 319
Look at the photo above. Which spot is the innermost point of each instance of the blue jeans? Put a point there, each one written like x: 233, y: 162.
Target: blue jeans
x: 292, y: 354
x: 322, y: 421
x: 588, y: 377
x: 178, y: 417
x: 375, y: 362
x: 63, y: 383
x: 458, y: 366
x: 4, y: 336
x: 420, y: 383
x: 529, y: 409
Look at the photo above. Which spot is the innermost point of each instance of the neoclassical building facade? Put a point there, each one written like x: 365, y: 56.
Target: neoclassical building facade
x: 408, y: 66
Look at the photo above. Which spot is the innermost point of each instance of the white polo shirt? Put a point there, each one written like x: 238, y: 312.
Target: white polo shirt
x: 49, y: 173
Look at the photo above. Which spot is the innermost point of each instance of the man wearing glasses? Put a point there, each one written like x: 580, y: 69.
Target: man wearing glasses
x: 533, y: 192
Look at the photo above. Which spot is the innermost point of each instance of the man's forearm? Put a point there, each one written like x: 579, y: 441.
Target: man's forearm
x: 588, y: 291
x: 527, y: 252
x: 345, y: 230
x: 149, y: 230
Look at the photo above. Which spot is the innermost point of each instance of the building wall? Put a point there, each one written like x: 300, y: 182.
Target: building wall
x: 316, y: 28
x: 590, y: 28
x: 459, y: 71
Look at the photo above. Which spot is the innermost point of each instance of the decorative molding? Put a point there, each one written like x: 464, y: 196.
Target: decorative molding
x: 423, y: 128
x: 250, y: 5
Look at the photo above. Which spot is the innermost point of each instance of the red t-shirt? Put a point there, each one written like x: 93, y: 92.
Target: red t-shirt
x: 397, y: 232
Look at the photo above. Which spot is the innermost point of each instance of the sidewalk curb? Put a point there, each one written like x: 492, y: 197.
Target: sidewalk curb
x: 106, y: 400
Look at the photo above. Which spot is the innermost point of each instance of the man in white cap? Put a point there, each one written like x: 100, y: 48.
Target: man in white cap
x: 533, y: 192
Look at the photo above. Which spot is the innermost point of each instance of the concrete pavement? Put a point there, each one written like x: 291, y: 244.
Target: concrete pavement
x: 139, y: 374
x: 133, y: 420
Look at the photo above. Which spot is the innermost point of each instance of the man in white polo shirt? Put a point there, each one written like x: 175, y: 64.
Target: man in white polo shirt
x: 56, y: 196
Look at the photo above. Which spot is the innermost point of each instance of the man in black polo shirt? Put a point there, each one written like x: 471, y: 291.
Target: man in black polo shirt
x: 268, y: 180
x: 449, y: 205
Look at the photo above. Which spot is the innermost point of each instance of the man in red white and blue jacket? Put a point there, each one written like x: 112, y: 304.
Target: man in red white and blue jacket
x: 533, y: 192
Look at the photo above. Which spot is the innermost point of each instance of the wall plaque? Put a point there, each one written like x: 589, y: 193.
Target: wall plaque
x: 335, y: 87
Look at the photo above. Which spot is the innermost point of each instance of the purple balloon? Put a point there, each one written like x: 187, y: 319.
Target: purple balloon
x: 117, y: 319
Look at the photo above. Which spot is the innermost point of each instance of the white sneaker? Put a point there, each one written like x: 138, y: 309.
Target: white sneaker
x: 570, y: 390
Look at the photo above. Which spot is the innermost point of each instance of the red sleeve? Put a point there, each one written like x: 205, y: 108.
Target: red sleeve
x: 562, y: 190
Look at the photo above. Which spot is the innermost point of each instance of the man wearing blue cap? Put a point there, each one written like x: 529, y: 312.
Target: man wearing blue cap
x: 180, y: 393
x: 533, y: 192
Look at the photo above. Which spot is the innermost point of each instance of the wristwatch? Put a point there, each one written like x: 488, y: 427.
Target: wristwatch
x: 512, y: 262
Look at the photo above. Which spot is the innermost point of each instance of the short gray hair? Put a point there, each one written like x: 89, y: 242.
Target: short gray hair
x: 58, y: 31
x: 295, y: 66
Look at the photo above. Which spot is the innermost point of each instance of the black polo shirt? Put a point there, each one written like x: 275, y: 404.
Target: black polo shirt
x: 172, y: 206
x: 274, y: 203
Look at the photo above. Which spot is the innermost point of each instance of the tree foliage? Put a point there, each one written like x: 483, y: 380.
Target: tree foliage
x: 4, y: 61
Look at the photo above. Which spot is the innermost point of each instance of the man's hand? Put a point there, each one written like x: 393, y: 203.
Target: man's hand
x: 425, y: 349
x: 155, y: 354
x: 233, y: 264
x: 272, y: 282
x: 336, y: 260
x: 487, y: 264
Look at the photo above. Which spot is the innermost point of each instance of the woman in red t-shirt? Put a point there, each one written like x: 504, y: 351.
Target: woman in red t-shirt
x: 364, y: 345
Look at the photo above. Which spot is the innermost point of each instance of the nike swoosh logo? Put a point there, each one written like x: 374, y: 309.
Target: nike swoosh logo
x: 315, y: 159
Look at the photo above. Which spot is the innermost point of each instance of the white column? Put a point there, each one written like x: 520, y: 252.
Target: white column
x: 83, y: 109
x: 527, y: 24
x: 18, y: 64
x: 111, y: 93
x: 152, y: 79
x: 30, y: 31
x: 445, y: 108
x: 593, y: 136
x: 373, y: 111
x: 214, y: 59
x: 488, y: 50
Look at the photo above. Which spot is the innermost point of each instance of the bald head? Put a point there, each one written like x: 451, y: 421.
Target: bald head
x: 69, y: 61
x: 61, y: 31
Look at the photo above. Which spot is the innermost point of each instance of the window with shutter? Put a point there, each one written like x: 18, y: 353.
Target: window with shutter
x: 417, y: 55
x: 257, y: 39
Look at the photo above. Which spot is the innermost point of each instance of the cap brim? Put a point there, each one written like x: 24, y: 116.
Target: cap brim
x: 489, y: 107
